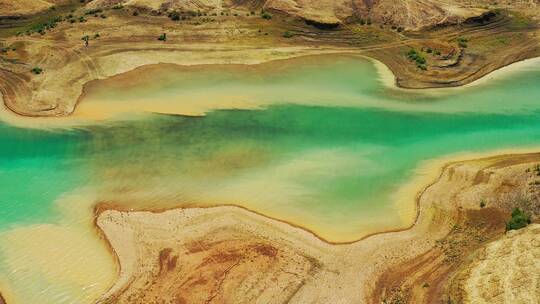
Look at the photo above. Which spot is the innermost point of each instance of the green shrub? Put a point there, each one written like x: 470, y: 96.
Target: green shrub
x: 175, y: 16
x: 37, y: 70
x: 117, y: 7
x: 93, y: 11
x: 520, y: 219
x: 420, y: 60
x: 163, y: 37
x: 288, y: 34
x: 416, y: 56
x: 462, y: 42
x: 266, y: 16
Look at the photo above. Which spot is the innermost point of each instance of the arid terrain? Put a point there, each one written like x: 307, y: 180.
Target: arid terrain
x: 457, y: 251
x: 45, y: 61
x: 209, y: 255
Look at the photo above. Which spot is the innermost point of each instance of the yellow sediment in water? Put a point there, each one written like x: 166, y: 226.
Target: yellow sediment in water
x: 68, y: 257
x: 85, y: 270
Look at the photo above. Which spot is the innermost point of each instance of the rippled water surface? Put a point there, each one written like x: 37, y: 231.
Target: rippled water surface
x: 323, y: 145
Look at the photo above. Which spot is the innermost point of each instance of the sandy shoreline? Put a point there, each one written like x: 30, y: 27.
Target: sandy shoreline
x: 408, y: 194
x: 386, y: 76
x: 438, y: 209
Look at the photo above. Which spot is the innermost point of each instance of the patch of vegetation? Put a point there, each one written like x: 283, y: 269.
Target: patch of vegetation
x: 43, y: 27
x: 520, y: 219
x: 482, y: 204
x: 266, y: 15
x: 118, y: 7
x: 519, y: 21
x: 37, y: 70
x: 462, y: 42
x: 288, y: 34
x: 175, y: 16
x: 537, y: 170
x: 93, y: 11
x: 417, y: 57
x: 163, y: 37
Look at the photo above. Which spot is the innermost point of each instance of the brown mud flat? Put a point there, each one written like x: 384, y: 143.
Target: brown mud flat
x: 118, y: 44
x: 228, y: 254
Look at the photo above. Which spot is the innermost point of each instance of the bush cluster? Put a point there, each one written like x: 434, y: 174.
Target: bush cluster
x: 37, y: 70
x: 462, y: 42
x: 520, y: 219
x: 420, y: 60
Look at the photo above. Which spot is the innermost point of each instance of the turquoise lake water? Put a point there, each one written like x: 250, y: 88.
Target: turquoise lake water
x: 325, y: 145
x: 330, y: 165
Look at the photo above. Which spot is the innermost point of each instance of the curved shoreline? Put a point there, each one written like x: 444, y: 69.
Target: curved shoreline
x: 389, y: 79
x: 385, y: 75
x: 364, y: 251
x: 426, y: 175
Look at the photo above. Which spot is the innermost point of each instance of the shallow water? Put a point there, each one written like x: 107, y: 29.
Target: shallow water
x: 323, y: 145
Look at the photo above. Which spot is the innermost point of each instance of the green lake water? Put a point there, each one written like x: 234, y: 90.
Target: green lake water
x: 330, y: 163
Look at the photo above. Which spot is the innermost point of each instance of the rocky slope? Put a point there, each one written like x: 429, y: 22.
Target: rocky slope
x: 26, y: 7
x: 410, y: 14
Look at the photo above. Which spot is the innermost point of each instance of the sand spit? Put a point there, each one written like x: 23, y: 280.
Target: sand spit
x: 228, y: 254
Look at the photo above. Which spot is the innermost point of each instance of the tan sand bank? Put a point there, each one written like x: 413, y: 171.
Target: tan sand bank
x: 505, y: 271
x: 228, y: 254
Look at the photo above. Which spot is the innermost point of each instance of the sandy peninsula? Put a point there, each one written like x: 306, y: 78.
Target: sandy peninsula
x: 207, y: 255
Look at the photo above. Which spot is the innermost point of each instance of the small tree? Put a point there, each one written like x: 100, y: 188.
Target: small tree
x: 163, y: 37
